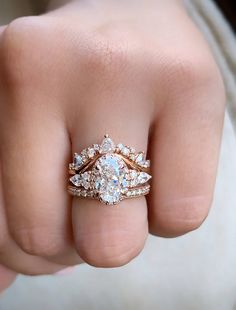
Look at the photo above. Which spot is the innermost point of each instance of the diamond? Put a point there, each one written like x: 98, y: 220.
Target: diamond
x: 77, y: 161
x: 91, y: 152
x: 83, y: 193
x: 132, y: 156
x: 132, y: 150
x: 107, y: 146
x: 125, y: 190
x: 146, y: 163
x: 140, y: 158
x: 86, y: 180
x: 133, y: 183
x: 110, y: 173
x: 84, y: 153
x: 143, y: 177
x: 133, y: 174
x: 125, y: 151
x: 120, y: 146
x: 138, y: 178
x: 76, y: 180
x: 139, y: 192
x: 96, y: 147
x: 71, y: 166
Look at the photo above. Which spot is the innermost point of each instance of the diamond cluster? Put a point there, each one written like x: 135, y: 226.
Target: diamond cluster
x: 129, y: 178
x: 108, y: 146
x: 110, y: 178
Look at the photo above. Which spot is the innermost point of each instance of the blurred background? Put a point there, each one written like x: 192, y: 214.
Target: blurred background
x: 193, y: 272
x: 228, y: 7
x: 13, y: 8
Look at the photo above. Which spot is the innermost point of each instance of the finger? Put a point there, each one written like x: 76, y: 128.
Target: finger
x: 34, y: 152
x: 185, y: 148
x: 20, y: 262
x: 2, y: 28
x: 17, y: 260
x: 7, y: 277
x: 108, y: 236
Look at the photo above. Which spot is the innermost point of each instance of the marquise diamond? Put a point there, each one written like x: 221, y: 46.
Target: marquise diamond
x: 138, y: 178
x: 139, y: 158
x: 76, y: 180
x: 78, y: 161
x: 143, y: 177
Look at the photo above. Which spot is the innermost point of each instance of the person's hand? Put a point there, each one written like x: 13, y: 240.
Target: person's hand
x: 141, y: 73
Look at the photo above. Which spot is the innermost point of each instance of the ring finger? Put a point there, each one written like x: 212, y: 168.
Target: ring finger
x: 108, y: 236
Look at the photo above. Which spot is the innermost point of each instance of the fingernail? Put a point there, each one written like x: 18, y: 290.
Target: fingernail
x: 65, y: 271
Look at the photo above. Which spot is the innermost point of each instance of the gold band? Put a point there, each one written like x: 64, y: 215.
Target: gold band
x: 132, y: 193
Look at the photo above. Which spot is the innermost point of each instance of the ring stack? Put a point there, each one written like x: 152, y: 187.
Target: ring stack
x: 109, y: 173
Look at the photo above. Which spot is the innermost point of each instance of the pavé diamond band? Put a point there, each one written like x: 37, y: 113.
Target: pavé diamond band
x: 109, y: 173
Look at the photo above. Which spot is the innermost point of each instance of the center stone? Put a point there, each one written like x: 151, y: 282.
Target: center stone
x: 110, y: 178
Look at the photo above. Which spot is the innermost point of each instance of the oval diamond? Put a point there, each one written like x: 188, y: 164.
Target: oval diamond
x: 110, y: 173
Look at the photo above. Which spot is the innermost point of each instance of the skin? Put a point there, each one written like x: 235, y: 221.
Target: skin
x: 142, y: 73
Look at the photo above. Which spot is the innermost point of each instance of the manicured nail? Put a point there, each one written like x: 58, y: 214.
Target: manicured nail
x: 65, y: 271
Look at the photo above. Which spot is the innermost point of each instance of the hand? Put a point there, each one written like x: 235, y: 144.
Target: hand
x: 143, y: 74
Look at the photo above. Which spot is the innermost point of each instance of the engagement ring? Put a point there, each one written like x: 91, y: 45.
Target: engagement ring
x: 109, y: 173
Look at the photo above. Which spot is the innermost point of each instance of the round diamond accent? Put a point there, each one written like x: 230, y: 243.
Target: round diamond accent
x: 125, y: 151
x: 91, y: 152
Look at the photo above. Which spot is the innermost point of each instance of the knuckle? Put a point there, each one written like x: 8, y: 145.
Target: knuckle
x: 194, y: 81
x: 19, y: 50
x: 188, y: 69
x: 198, y: 70
x: 37, y: 242
x: 180, y: 217
x: 104, y: 57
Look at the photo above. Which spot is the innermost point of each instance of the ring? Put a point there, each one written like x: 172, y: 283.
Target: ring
x: 109, y: 173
